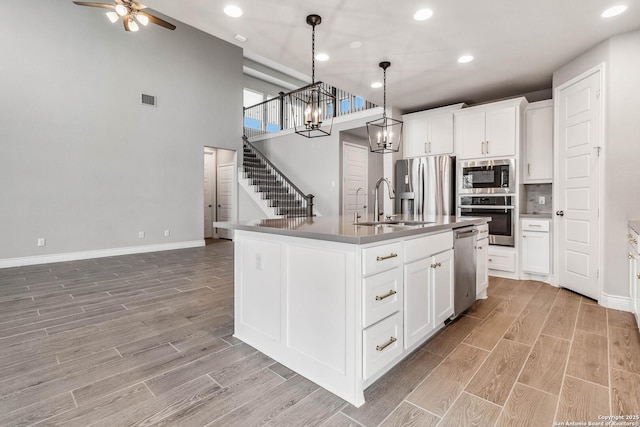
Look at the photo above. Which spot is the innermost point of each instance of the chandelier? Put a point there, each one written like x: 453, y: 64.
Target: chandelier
x: 312, y: 106
x: 385, y: 134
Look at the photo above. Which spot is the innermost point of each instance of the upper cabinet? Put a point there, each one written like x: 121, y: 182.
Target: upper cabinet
x: 537, y: 162
x: 429, y: 132
x: 489, y: 130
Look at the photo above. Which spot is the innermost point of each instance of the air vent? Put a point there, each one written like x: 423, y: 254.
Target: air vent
x: 148, y: 100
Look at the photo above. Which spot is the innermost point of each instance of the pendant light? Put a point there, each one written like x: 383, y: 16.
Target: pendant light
x: 312, y: 107
x: 385, y: 134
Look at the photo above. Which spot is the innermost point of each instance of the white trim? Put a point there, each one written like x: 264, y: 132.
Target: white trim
x: 100, y: 253
x: 616, y: 302
x: 601, y: 68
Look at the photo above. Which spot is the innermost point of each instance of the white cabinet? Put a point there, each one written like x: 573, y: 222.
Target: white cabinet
x: 482, y: 255
x: 490, y: 130
x: 429, y: 132
x: 428, y: 286
x: 634, y: 273
x: 535, y: 246
x: 537, y: 162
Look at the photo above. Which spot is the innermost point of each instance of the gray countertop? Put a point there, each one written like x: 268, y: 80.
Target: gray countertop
x: 342, y: 229
x: 635, y: 225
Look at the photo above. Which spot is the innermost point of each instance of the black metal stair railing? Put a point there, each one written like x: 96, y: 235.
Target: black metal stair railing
x: 283, y: 195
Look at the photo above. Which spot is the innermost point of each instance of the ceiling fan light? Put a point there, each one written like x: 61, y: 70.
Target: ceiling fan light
x: 121, y: 10
x: 113, y: 17
x: 133, y: 26
x: 143, y: 19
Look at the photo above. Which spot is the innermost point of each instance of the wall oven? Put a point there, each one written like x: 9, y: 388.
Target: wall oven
x: 502, y: 212
x: 487, y: 177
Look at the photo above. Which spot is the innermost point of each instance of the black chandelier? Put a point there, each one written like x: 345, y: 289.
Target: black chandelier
x: 385, y: 134
x: 313, y: 106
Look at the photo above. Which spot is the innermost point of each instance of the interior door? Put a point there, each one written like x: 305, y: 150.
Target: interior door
x: 578, y: 136
x: 354, y: 172
x: 225, y: 198
x: 209, y: 192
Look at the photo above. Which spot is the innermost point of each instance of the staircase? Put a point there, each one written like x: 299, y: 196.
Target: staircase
x: 279, y: 192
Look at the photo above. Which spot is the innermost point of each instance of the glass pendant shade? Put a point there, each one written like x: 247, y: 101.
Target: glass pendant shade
x: 385, y: 134
x: 113, y: 17
x: 312, y: 106
x: 143, y: 19
x: 132, y: 25
x: 121, y: 10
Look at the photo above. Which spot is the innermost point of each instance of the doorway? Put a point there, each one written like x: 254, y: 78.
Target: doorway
x: 355, y: 167
x: 220, y: 199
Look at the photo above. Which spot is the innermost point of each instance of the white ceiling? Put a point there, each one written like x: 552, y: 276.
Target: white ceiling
x: 517, y: 44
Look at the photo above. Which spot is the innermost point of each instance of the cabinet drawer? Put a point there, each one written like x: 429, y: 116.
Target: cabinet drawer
x: 382, y: 294
x: 423, y: 247
x: 535, y: 225
x: 483, y: 231
x: 381, y: 258
x: 502, y: 261
x: 382, y: 343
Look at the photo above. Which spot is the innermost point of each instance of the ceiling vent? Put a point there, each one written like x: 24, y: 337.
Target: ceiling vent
x: 148, y: 100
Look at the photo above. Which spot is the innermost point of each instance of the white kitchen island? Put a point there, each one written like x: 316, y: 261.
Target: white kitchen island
x: 340, y: 303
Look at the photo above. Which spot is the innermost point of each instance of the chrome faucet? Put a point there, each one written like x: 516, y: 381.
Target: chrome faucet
x: 392, y: 195
x: 356, y: 215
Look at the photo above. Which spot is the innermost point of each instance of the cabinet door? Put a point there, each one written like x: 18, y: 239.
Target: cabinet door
x: 637, y: 292
x: 633, y: 278
x: 418, y: 315
x: 535, y: 252
x: 469, y: 135
x: 482, y: 272
x: 440, y: 136
x: 538, y: 143
x: 415, y: 135
x: 500, y: 133
x: 442, y: 265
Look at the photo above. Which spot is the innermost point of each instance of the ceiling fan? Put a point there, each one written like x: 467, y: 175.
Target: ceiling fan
x: 128, y: 10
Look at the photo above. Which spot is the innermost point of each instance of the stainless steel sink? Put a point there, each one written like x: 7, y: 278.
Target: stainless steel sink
x: 392, y: 223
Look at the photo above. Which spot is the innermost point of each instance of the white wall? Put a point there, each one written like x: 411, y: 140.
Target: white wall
x: 82, y: 162
x: 620, y: 200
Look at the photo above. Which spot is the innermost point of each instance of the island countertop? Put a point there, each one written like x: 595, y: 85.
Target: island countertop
x: 343, y: 229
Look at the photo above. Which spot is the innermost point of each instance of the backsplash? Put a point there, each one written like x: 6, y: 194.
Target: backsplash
x: 533, y: 192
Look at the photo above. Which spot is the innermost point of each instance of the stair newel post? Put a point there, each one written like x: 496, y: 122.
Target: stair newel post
x: 282, y: 100
x: 310, y: 205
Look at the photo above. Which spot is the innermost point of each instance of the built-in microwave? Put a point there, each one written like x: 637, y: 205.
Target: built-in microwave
x: 487, y: 177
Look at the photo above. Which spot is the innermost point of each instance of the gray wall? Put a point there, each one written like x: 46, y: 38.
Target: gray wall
x: 82, y: 162
x: 620, y: 198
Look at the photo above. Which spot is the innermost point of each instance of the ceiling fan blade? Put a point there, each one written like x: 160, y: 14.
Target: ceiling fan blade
x: 138, y: 6
x: 92, y: 4
x: 125, y: 22
x: 158, y: 21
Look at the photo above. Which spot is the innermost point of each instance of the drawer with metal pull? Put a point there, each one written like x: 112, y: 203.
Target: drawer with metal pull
x: 382, y: 295
x: 423, y: 247
x: 381, y: 258
x: 535, y: 225
x: 382, y: 343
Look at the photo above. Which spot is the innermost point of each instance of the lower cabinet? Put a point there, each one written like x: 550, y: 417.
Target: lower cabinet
x: 428, y: 295
x: 634, y: 274
x: 482, y: 274
x: 535, y: 246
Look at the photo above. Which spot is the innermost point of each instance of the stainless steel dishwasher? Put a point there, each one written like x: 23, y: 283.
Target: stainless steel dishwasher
x: 464, y: 268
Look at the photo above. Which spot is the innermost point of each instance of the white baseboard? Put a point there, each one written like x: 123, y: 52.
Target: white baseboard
x: 616, y: 302
x: 100, y: 253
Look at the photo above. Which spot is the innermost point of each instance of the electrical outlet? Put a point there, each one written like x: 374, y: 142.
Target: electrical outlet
x: 42, y: 241
x: 541, y: 200
x: 166, y: 233
x: 141, y: 235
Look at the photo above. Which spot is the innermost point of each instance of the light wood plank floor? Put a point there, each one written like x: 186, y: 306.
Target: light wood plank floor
x: 147, y: 340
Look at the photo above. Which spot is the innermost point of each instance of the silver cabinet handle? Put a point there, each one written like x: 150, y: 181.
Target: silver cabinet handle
x: 487, y: 146
x: 382, y: 258
x: 528, y: 169
x: 387, y: 295
x: 426, y: 147
x: 638, y: 276
x: 482, y: 147
x: 387, y: 344
x: 535, y: 225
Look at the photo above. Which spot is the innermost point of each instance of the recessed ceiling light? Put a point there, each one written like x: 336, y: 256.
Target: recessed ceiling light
x: 355, y: 44
x: 423, y: 14
x: 376, y: 85
x: 233, y: 11
x: 614, y: 11
x: 240, y: 38
x: 465, y: 58
x: 322, y: 57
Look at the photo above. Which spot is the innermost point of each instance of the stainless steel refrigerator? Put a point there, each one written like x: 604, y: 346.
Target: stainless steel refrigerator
x: 426, y: 186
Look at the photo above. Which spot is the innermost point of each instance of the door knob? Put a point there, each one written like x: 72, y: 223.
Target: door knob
x: 560, y: 213
x: 209, y: 205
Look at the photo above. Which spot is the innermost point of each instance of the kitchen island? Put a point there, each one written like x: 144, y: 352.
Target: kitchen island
x: 342, y: 303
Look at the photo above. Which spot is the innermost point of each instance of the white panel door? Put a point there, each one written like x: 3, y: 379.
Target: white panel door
x: 578, y: 106
x: 225, y: 198
x: 209, y: 192
x: 354, y: 172
x: 442, y: 265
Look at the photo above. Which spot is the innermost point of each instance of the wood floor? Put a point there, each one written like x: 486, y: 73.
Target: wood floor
x: 147, y: 340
